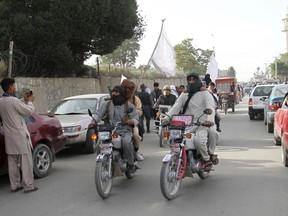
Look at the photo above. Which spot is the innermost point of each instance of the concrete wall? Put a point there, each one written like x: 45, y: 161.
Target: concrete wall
x: 49, y: 91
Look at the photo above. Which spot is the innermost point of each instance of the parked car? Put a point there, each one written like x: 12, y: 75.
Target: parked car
x: 73, y: 115
x: 272, y: 104
x: 281, y: 129
x: 256, y: 100
x: 47, y: 140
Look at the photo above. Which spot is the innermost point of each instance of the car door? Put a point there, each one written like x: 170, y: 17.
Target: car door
x: 3, y: 156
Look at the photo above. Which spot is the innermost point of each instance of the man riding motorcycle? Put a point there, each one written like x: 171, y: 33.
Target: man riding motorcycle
x: 115, y: 112
x: 194, y: 102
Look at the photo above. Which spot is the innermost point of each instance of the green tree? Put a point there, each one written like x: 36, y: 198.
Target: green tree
x: 282, y: 66
x: 64, y: 33
x: 125, y: 55
x: 231, y: 72
x: 189, y: 58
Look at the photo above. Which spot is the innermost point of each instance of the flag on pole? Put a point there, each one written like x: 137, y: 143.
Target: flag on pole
x: 122, y: 78
x: 163, y: 57
x: 212, y: 67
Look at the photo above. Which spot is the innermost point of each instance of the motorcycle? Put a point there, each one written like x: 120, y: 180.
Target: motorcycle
x: 183, y: 159
x: 110, y: 161
x: 163, y: 109
x: 224, y: 102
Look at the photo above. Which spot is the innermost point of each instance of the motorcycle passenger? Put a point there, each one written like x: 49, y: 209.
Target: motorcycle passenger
x: 130, y: 94
x: 194, y: 102
x: 115, y: 112
x: 212, y: 89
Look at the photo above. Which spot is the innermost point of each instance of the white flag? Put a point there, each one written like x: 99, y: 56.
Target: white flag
x: 212, y: 68
x: 122, y: 78
x: 164, y: 58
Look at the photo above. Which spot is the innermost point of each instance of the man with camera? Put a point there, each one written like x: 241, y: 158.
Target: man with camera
x: 17, y: 138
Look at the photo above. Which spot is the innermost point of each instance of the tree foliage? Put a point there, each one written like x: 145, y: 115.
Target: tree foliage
x: 189, y: 58
x: 64, y: 33
x: 282, y: 66
x: 231, y: 72
x: 125, y: 55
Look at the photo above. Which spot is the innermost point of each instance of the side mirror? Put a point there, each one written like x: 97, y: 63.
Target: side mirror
x: 207, y: 111
x: 89, y: 112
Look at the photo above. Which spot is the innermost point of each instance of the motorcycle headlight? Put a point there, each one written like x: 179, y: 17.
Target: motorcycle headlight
x: 104, y: 135
x: 175, y: 134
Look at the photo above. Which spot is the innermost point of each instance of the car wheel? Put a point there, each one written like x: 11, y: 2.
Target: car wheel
x: 277, y: 139
x: 251, y: 117
x: 284, y: 153
x: 270, y: 127
x: 90, y: 145
x: 42, y: 160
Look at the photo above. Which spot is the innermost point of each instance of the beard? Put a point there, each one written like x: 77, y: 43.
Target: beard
x: 118, y: 100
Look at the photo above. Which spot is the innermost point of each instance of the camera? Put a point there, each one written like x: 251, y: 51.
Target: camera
x: 27, y: 92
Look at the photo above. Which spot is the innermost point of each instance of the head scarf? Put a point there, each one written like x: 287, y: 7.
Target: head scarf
x: 129, y: 88
x: 121, y: 98
x: 192, y: 88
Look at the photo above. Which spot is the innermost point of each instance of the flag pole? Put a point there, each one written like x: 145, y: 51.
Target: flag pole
x: 145, y: 69
x: 157, y: 40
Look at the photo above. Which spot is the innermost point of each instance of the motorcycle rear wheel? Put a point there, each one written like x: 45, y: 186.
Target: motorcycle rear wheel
x: 103, y: 181
x: 169, y: 183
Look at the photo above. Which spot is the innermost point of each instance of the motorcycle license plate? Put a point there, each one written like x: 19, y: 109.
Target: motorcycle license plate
x: 105, y: 148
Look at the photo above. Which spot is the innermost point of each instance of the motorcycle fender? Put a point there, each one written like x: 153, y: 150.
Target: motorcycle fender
x: 167, y: 158
x: 100, y: 157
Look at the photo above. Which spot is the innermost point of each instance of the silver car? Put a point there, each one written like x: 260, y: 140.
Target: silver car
x: 256, y: 101
x: 73, y: 115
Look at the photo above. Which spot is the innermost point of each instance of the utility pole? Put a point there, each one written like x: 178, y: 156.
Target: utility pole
x: 10, y: 59
x: 285, y: 20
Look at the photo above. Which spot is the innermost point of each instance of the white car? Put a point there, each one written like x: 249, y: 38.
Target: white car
x: 257, y: 99
x: 73, y: 115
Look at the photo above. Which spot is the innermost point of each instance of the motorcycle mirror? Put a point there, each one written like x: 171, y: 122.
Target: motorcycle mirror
x: 207, y: 111
x: 89, y: 112
x: 129, y: 110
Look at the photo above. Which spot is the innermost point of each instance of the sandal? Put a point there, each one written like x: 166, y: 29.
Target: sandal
x: 206, y: 165
x: 214, y: 158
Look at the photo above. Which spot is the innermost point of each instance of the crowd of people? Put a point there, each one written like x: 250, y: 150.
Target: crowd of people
x: 192, y: 99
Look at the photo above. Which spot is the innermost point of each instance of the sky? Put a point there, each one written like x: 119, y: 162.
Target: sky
x: 245, y: 34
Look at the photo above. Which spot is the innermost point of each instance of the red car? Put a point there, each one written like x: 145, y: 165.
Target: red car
x: 281, y: 129
x: 47, y: 139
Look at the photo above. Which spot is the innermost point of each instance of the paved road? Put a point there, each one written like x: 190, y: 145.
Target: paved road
x: 250, y: 180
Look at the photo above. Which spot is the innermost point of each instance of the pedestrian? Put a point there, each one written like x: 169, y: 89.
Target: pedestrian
x: 155, y: 95
x: 18, y: 143
x: 146, y: 101
x: 207, y: 80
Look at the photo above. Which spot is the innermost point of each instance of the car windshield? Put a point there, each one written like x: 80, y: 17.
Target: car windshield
x: 75, y: 106
x: 262, y: 91
x: 281, y: 90
x: 223, y: 87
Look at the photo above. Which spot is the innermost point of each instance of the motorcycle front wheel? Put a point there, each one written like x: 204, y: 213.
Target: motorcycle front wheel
x: 103, y: 180
x: 168, y: 180
x: 225, y: 108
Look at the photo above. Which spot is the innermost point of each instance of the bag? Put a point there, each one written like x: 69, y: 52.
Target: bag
x: 141, y: 130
